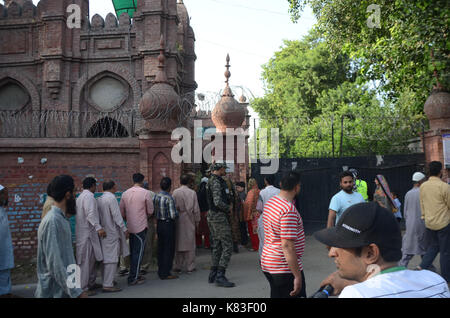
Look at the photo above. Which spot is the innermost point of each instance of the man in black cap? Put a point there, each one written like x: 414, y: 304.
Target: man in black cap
x: 366, y: 246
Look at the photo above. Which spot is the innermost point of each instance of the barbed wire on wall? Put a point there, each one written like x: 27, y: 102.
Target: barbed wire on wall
x: 66, y: 124
x: 207, y: 100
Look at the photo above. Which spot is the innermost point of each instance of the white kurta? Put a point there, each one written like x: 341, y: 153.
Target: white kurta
x: 87, y: 225
x: 115, y: 243
x: 186, y: 204
x: 414, y: 241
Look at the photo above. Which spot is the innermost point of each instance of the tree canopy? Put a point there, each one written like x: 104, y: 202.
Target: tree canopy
x: 322, y: 107
x: 399, y: 44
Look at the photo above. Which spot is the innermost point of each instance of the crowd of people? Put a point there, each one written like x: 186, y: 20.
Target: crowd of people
x: 363, y: 237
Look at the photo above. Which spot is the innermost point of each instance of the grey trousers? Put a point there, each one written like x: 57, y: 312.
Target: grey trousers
x: 88, y: 273
x: 109, y: 273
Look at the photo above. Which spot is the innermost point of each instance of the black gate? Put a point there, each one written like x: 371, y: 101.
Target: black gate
x: 320, y: 179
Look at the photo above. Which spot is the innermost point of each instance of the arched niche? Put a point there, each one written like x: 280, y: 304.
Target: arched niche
x: 107, y: 128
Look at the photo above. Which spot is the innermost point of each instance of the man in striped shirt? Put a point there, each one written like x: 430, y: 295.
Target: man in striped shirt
x: 284, y: 242
x: 166, y: 214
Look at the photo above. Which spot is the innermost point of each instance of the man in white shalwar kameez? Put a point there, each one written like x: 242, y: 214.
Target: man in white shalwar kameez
x: 114, y: 244
x: 186, y: 204
x: 414, y: 239
x: 88, y: 230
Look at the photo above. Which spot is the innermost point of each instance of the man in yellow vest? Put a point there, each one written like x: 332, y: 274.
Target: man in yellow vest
x: 360, y: 185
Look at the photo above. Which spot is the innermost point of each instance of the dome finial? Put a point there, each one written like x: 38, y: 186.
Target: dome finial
x: 227, y: 72
x: 227, y: 91
x: 161, y: 76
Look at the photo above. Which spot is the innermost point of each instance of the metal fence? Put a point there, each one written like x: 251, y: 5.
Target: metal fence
x: 320, y: 179
x: 343, y: 136
x: 67, y: 124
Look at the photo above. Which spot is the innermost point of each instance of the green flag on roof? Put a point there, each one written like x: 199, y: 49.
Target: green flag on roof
x: 121, y: 6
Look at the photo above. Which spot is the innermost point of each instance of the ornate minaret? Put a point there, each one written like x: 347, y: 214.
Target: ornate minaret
x: 229, y: 117
x: 160, y: 109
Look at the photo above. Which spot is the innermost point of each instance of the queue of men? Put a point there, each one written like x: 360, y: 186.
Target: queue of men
x: 107, y: 231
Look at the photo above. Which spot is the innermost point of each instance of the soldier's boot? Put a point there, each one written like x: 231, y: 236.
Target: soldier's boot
x: 221, y: 280
x: 212, y: 275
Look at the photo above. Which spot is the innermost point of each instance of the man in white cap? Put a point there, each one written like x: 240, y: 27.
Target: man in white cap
x: 414, y: 240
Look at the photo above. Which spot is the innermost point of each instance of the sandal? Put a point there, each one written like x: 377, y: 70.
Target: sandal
x: 111, y: 289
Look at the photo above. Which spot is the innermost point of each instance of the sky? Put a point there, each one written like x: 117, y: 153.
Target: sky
x: 251, y: 31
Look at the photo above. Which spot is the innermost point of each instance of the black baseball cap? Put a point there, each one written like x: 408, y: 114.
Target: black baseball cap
x: 361, y: 225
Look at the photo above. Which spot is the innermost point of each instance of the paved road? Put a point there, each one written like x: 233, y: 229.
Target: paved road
x: 244, y: 270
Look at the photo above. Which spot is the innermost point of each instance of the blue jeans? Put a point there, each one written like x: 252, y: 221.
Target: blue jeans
x: 137, y: 247
x: 166, y: 247
x: 439, y: 243
x: 5, y: 282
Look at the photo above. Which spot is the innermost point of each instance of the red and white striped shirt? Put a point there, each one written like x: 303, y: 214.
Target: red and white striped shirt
x: 281, y: 221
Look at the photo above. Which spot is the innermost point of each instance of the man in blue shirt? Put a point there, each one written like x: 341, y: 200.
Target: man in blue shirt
x: 6, y: 247
x: 343, y: 199
x: 57, y: 271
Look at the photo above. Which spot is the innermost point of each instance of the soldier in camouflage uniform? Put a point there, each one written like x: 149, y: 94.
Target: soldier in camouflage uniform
x: 217, y: 194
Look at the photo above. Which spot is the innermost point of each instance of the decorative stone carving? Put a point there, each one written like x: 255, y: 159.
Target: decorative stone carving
x: 28, y: 9
x: 14, y: 10
x: 97, y: 22
x: 111, y: 21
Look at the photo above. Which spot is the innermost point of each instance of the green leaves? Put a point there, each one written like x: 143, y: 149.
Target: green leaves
x: 409, y: 29
x: 314, y: 96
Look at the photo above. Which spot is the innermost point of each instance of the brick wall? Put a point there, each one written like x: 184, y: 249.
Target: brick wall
x: 27, y: 181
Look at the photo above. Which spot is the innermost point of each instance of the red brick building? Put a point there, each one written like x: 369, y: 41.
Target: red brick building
x: 70, y: 100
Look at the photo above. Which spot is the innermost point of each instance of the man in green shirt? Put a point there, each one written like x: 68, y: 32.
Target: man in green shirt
x: 360, y: 185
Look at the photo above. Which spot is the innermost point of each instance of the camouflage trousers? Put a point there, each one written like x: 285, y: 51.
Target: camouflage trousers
x: 221, y: 239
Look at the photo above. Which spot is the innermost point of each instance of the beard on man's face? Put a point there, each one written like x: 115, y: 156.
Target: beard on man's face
x: 71, y: 206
